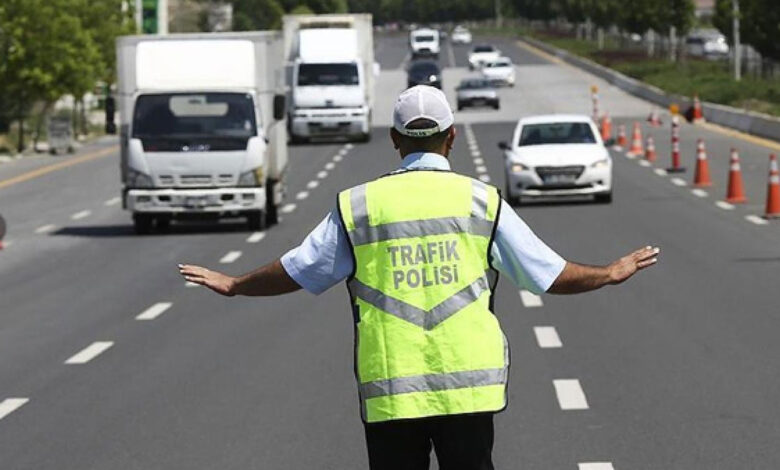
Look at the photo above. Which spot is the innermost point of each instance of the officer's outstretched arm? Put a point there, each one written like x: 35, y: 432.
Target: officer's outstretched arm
x: 576, y: 278
x: 271, y: 279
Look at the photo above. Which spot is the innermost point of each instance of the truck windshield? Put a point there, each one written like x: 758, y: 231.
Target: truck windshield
x: 327, y: 74
x: 424, y: 38
x: 194, y: 121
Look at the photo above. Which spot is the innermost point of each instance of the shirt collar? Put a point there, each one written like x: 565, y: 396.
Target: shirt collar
x: 427, y: 160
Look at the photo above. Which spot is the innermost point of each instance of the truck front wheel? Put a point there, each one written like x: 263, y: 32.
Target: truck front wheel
x: 254, y: 220
x: 142, y: 223
x: 271, y: 212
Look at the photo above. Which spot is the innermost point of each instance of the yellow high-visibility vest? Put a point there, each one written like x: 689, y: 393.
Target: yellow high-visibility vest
x: 427, y: 343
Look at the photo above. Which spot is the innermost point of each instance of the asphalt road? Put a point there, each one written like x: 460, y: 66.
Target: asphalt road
x: 677, y: 367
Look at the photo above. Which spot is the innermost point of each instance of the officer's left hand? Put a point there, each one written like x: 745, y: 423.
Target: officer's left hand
x: 216, y: 281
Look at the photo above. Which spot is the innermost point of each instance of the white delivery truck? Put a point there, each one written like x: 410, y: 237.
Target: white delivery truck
x: 331, y: 72
x: 425, y: 42
x: 202, y: 126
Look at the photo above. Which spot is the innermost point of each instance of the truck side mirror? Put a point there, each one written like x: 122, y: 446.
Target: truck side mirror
x: 503, y: 145
x: 280, y: 107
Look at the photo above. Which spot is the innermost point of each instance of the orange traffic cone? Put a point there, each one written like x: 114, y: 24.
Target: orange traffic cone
x: 773, y: 191
x: 736, y: 191
x: 606, y: 128
x: 676, y: 164
x: 701, y: 177
x: 636, y: 141
x: 654, y: 118
x: 650, y: 149
x: 621, y: 138
x: 698, y: 115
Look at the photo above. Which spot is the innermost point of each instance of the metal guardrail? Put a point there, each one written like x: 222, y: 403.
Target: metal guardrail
x: 758, y: 124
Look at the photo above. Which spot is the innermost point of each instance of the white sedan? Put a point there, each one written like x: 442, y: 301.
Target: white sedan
x: 557, y: 155
x: 499, y: 71
x: 461, y: 35
x: 482, y: 54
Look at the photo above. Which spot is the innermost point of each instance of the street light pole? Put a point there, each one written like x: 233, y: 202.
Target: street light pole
x: 737, y: 48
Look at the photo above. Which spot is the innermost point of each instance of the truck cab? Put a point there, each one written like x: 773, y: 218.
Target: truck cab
x: 424, y: 43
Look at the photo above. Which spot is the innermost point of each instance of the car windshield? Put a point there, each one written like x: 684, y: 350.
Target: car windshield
x: 424, y: 38
x: 556, y: 133
x: 483, y: 49
x: 474, y: 84
x: 328, y: 74
x: 424, y: 68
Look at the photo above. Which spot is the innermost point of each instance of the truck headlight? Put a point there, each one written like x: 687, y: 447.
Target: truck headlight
x: 136, y: 179
x: 251, y: 178
x: 517, y: 168
x: 600, y: 163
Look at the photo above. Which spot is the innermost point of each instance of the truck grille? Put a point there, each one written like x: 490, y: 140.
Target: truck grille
x: 195, y: 180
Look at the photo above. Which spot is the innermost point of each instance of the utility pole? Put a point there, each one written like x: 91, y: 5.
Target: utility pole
x: 737, y: 48
x: 499, y: 19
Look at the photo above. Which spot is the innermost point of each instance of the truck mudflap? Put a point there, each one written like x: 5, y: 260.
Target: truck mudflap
x: 195, y: 201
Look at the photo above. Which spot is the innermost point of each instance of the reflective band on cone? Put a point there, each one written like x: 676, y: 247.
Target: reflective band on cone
x: 736, y: 190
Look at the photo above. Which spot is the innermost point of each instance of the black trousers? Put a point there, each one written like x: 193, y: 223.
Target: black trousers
x: 461, y: 442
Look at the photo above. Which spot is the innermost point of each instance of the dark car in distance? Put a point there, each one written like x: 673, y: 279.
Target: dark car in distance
x: 424, y: 72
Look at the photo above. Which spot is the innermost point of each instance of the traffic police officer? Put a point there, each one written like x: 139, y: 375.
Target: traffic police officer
x: 421, y: 249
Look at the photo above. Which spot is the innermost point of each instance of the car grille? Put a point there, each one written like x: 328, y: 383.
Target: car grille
x: 547, y: 173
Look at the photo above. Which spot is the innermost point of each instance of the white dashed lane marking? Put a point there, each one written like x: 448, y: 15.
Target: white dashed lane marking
x: 312, y: 184
x: 481, y: 169
x: 230, y: 257
x: 644, y: 163
x: 255, y: 237
x: 570, y: 394
x: 479, y: 161
x: 81, y: 215
x: 678, y: 182
x: 547, y: 337
x: 530, y: 299
x: 45, y: 228
x: 484, y: 178
x: 756, y: 220
x: 337, y: 158
x: 302, y: 195
x: 595, y: 466
x: 112, y: 202
x: 330, y: 166
x: 724, y: 205
x: 699, y: 192
x: 288, y: 208
x: 190, y: 284
x: 323, y: 174
x: 349, y: 147
x: 9, y: 405
x: 154, y: 311
x: 90, y: 352
x: 660, y: 172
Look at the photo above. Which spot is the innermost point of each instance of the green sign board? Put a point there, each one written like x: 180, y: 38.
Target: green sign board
x: 149, y: 16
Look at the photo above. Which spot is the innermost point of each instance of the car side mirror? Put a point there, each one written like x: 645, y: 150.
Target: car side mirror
x: 503, y: 145
x: 280, y: 107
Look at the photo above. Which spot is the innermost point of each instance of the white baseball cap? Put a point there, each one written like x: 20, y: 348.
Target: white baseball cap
x: 422, y: 102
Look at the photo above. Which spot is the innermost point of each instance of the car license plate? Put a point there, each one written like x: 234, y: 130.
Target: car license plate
x: 478, y: 101
x: 329, y: 125
x: 195, y: 201
x: 560, y: 179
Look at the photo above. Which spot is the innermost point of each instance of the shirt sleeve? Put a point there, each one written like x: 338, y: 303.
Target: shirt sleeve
x: 519, y: 254
x: 323, y: 259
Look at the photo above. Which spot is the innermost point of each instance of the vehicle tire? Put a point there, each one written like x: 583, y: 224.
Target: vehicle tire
x: 142, y: 223
x: 271, y: 211
x: 460, y: 107
x: 497, y: 105
x: 511, y: 200
x: 163, y: 224
x: 604, y: 198
x: 255, y: 220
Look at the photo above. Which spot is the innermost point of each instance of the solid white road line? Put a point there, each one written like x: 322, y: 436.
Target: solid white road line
x: 547, y: 337
x: 484, y: 178
x: 725, y: 205
x: 9, y: 405
x: 112, y: 202
x: 90, y: 352
x: 679, y: 182
x: 81, y: 215
x: 481, y: 169
x: 154, y: 311
x: 312, y: 184
x: 45, y: 228
x: 330, y: 166
x: 322, y: 175
x: 595, y: 466
x: 302, y: 195
x: 644, y: 163
x: 570, y: 394
x: 660, y: 172
x: 288, y: 208
x: 530, y: 299
x: 230, y: 257
x: 756, y: 219
x: 255, y: 237
x: 699, y: 192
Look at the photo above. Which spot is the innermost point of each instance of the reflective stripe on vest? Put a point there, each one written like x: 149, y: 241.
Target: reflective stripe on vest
x: 427, y: 343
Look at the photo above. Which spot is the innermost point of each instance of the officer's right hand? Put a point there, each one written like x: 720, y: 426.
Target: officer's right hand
x: 216, y: 281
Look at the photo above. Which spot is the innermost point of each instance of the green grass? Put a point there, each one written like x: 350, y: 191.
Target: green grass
x: 711, y: 80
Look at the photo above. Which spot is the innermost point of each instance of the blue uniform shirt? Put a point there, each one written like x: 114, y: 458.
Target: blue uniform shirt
x: 324, y: 259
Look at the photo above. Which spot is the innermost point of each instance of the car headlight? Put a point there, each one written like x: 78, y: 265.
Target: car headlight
x: 600, y: 163
x: 136, y: 179
x: 433, y: 78
x: 517, y: 168
x: 251, y: 178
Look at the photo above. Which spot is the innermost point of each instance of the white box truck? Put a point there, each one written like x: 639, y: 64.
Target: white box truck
x: 331, y: 72
x: 202, y: 126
